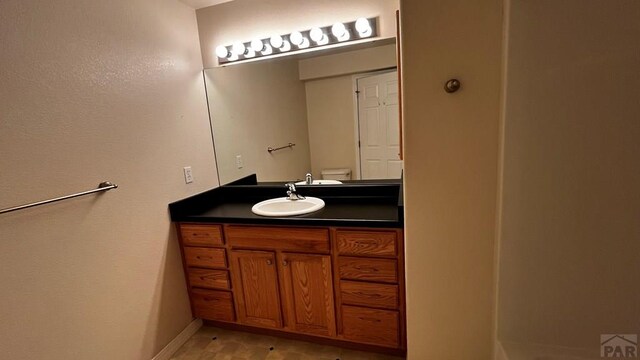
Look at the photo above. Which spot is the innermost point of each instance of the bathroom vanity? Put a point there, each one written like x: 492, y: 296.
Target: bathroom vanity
x: 335, y: 276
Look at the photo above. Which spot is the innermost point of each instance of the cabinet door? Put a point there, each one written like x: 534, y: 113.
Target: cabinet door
x: 308, y: 293
x: 255, y: 282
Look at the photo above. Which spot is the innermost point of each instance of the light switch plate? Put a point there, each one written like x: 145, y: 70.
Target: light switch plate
x: 239, y: 162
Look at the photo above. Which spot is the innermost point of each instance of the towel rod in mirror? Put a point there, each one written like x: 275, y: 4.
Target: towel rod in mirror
x: 290, y: 145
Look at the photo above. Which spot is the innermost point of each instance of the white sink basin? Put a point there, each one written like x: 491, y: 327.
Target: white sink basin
x: 321, y: 182
x: 285, y: 207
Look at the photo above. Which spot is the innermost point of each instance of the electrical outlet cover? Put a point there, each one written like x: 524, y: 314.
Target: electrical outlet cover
x: 188, y: 175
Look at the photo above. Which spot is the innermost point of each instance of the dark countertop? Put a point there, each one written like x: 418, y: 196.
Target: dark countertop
x: 357, y: 204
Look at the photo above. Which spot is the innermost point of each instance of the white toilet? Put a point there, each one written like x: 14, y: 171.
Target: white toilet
x: 336, y: 174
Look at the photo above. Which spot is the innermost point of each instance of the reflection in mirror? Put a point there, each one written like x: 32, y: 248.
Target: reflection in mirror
x: 326, y: 105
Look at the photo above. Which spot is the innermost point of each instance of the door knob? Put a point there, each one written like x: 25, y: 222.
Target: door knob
x: 284, y: 263
x: 269, y: 262
x: 452, y: 85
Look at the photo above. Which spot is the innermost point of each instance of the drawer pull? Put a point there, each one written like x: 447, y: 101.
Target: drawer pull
x: 368, y: 294
x: 369, y: 319
x: 365, y: 242
x: 367, y: 268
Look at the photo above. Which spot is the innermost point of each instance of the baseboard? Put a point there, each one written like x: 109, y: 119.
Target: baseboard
x: 178, y: 341
x: 500, y: 353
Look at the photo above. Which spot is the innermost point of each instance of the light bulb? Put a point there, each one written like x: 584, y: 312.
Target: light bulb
x: 257, y: 45
x: 286, y: 46
x: 296, y: 38
x: 316, y: 34
x: 239, y: 48
x: 267, y: 50
x: 340, y: 31
x: 305, y: 43
x: 222, y: 52
x: 276, y: 41
x: 363, y: 27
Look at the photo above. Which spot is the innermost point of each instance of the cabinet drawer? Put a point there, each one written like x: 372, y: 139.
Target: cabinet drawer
x: 379, y: 327
x: 382, y: 270
x: 369, y: 294
x: 205, y: 257
x: 201, y: 235
x: 213, y: 305
x: 214, y: 279
x: 276, y: 238
x: 375, y: 243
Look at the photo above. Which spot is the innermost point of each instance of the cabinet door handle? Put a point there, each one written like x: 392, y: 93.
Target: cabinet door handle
x: 285, y: 263
x: 269, y: 262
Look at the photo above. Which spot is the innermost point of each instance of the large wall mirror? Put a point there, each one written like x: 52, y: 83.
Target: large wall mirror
x: 339, y: 107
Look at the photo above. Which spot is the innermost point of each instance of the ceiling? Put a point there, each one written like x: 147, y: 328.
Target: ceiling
x: 198, y: 4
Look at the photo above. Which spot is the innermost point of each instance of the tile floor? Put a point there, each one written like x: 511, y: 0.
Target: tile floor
x: 211, y: 343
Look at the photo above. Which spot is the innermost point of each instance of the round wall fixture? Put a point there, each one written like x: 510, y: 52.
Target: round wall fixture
x: 452, y: 85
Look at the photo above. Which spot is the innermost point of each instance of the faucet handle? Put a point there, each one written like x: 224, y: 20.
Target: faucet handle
x: 291, y: 186
x: 291, y: 192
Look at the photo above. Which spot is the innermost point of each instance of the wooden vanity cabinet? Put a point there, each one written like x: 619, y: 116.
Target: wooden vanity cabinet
x: 370, y: 281
x: 204, y: 256
x: 257, y: 295
x: 307, y: 285
x: 345, y: 284
x: 283, y: 278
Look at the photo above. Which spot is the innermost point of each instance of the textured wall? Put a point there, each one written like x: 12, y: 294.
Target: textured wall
x: 255, y: 106
x: 570, y: 243
x: 330, y: 113
x: 92, y: 91
x: 451, y: 173
x: 350, y: 62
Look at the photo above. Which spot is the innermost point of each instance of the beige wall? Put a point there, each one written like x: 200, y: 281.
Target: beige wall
x: 451, y: 167
x: 255, y: 106
x: 570, y: 243
x: 330, y: 113
x: 243, y: 20
x: 350, y: 62
x: 93, y: 91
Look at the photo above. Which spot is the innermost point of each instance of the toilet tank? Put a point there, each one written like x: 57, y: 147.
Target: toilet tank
x: 336, y: 174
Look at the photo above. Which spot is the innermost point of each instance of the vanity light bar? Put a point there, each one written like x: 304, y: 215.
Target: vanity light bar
x: 316, y: 37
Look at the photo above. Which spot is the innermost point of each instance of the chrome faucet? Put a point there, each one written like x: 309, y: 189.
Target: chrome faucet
x: 292, y: 193
x: 308, y: 179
